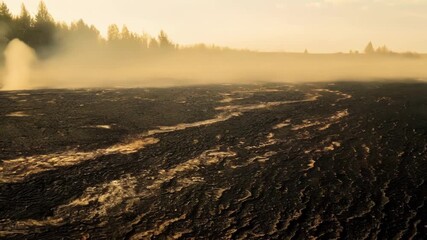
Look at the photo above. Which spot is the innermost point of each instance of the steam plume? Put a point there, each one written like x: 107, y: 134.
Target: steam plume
x: 19, y: 61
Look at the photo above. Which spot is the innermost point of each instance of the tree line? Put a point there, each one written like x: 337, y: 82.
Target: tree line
x: 43, y: 33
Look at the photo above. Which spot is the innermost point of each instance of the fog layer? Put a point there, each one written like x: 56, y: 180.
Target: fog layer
x: 18, y: 66
x: 76, y: 56
x: 80, y: 66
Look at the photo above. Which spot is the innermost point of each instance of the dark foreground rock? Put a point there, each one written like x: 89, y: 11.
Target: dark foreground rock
x: 271, y: 161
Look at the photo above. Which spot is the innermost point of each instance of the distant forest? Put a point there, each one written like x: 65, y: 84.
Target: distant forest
x: 43, y: 33
x: 47, y: 36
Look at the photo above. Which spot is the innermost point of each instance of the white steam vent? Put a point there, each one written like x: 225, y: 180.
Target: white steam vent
x: 19, y: 60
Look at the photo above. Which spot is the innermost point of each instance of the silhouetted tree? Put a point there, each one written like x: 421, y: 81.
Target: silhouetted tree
x: 153, y: 44
x: 126, y: 34
x: 383, y: 50
x: 164, y: 41
x: 113, y: 33
x: 5, y: 24
x: 5, y: 15
x: 44, y: 29
x: 81, y: 30
x: 369, y: 49
x: 23, y: 25
x: 43, y: 15
x: 133, y: 42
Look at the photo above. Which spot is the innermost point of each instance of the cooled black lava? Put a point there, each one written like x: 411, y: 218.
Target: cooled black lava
x: 271, y: 161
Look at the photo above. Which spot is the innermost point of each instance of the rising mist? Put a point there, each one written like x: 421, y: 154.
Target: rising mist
x: 77, y: 56
x: 18, y: 66
x: 81, y: 67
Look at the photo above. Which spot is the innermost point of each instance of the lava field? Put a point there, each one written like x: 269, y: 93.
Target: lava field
x: 340, y: 160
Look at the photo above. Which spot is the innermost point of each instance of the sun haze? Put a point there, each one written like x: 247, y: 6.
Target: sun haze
x: 269, y: 25
x: 213, y: 119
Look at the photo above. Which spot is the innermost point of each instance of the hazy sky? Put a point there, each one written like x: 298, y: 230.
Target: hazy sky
x: 269, y: 25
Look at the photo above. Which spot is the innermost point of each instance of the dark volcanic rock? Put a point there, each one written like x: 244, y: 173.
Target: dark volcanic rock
x: 327, y: 160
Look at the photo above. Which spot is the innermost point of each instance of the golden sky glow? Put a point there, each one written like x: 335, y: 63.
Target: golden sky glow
x: 268, y: 25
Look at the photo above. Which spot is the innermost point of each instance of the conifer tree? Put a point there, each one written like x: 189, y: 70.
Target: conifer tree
x: 369, y: 49
x: 23, y: 25
x: 44, y: 30
x: 164, y: 41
